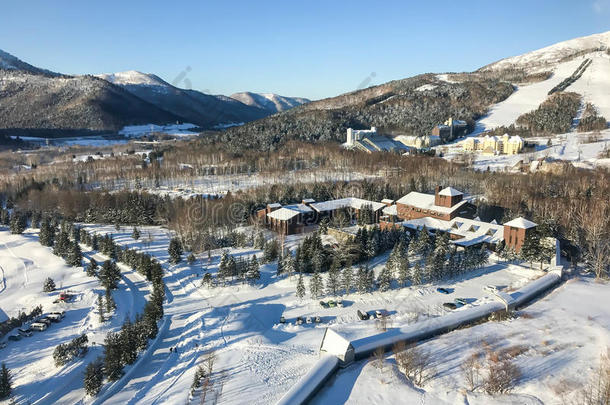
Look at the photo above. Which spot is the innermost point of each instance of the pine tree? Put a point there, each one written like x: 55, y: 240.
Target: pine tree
x: 332, y: 279
x: 370, y: 279
x: 62, y: 244
x: 113, y: 356
x: 92, y: 268
x: 47, y: 233
x: 110, y: 274
x: 100, y: 308
x: 110, y: 304
x: 417, y: 274
x: 6, y: 384
x: 49, y: 285
x: 270, y: 251
x: 315, y: 285
x: 175, y: 251
x: 223, y: 272
x: 135, y: 234
x: 17, y: 223
x: 384, y: 280
x: 94, y: 377
x: 259, y: 241
x: 5, y: 217
x: 347, y: 278
x: 403, y: 270
x: 362, y: 281
x: 74, y: 255
x: 300, y: 287
x: 253, y: 274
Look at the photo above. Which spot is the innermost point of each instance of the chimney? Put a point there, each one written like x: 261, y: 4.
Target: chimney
x: 437, y: 199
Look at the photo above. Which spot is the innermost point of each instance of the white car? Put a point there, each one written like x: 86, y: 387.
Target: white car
x: 491, y: 288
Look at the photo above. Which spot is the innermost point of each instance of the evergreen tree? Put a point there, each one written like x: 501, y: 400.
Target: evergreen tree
x: 17, y: 223
x: 223, y: 271
x: 49, y: 285
x: 370, y: 279
x: 270, y: 251
x: 231, y: 267
x: 191, y: 259
x: 129, y: 342
x: 300, y: 287
x: 6, y: 384
x: 135, y: 234
x: 259, y: 241
x: 417, y: 274
x: 100, y: 308
x: 332, y: 280
x: 175, y: 251
x: 315, y: 285
x: 113, y: 356
x: 362, y: 280
x: 92, y: 268
x: 530, y: 250
x: 253, y: 274
x: 74, y: 255
x: 384, y: 280
x: 347, y: 278
x: 403, y: 270
x: 47, y: 233
x: 110, y: 274
x: 110, y: 304
x: 94, y: 242
x: 94, y: 377
x: 62, y: 244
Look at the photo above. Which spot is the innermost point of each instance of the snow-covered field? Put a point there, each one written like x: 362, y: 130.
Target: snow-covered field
x: 559, y: 338
x: 256, y: 356
x: 25, y: 264
x: 169, y: 129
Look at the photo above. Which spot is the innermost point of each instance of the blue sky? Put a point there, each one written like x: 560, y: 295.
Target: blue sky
x: 312, y: 49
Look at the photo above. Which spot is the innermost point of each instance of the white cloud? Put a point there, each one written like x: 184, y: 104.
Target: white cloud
x: 601, y: 6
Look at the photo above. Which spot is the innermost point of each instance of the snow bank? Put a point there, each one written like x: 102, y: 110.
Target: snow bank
x: 423, y: 330
x: 311, y: 382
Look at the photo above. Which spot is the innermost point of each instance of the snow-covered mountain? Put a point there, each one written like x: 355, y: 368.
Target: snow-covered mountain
x: 10, y: 62
x: 133, y: 77
x: 562, y: 60
x: 555, y: 53
x: 269, y: 101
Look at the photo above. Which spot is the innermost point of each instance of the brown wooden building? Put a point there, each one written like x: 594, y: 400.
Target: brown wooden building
x: 444, y: 204
x: 516, y: 231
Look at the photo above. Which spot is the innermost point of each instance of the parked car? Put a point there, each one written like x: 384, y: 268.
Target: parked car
x: 317, y: 319
x: 26, y: 332
x: 14, y: 338
x: 491, y: 288
x: 62, y: 314
x: 340, y: 303
x: 282, y: 319
x: 44, y: 320
x: 332, y: 303
x: 380, y: 313
x: 308, y: 319
x: 460, y: 301
x: 54, y: 317
x: 449, y: 305
x: 2, y: 345
x: 443, y: 290
x: 362, y: 315
x: 39, y: 326
x: 323, y: 304
x: 299, y: 320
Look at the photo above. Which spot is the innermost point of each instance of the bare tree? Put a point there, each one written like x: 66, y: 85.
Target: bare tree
x: 471, y: 368
x: 415, y: 363
x: 597, y: 390
x: 502, y: 374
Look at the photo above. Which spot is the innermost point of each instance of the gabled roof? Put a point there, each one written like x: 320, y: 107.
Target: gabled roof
x: 308, y: 200
x: 450, y: 192
x: 351, y: 202
x: 521, y: 223
x: 283, y: 214
x: 390, y: 210
x: 274, y: 205
x: 387, y: 201
x: 426, y: 201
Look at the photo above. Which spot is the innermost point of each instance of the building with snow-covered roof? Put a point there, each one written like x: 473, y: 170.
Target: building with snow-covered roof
x: 516, y: 231
x: 444, y: 204
x: 451, y: 129
x: 493, y: 145
x: 368, y: 140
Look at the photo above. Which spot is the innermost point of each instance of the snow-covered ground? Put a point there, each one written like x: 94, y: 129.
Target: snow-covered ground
x: 581, y: 149
x: 559, y: 338
x: 25, y: 264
